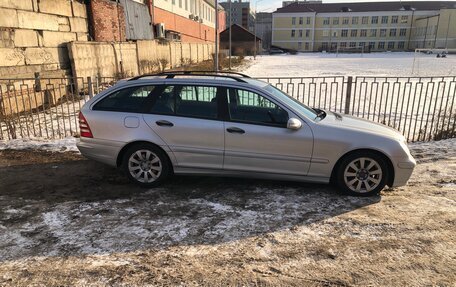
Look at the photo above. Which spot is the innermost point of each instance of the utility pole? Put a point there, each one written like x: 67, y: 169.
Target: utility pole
x: 216, y: 64
x: 229, y: 40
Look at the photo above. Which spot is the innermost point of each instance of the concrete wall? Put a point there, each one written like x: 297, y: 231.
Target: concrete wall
x: 92, y: 59
x: 33, y: 36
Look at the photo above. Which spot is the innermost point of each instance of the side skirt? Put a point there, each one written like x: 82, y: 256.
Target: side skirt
x: 249, y: 174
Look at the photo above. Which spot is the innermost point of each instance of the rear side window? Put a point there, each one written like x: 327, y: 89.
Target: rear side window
x: 129, y: 100
x: 189, y: 101
x: 250, y: 107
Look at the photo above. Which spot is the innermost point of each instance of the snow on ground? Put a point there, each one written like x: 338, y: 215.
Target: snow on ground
x: 61, y: 145
x: 398, y: 64
x: 85, y: 219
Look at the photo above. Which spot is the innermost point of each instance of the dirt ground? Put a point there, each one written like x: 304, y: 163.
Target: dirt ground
x: 68, y: 221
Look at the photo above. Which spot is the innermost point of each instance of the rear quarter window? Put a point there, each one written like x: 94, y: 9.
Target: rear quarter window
x: 131, y: 100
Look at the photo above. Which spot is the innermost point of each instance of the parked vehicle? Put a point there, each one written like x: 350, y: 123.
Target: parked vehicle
x: 274, y: 51
x: 228, y: 124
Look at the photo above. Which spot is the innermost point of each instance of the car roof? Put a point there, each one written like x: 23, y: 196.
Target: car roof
x: 199, y: 79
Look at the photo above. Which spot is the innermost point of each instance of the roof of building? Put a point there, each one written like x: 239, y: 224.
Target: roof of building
x: 239, y: 34
x: 300, y: 7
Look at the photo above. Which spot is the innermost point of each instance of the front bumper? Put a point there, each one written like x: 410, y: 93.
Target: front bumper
x: 403, y: 168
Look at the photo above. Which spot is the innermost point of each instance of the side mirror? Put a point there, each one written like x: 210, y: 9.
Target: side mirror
x: 294, y: 124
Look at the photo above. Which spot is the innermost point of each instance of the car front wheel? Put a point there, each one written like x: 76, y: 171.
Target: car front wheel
x: 362, y: 174
x: 146, y: 165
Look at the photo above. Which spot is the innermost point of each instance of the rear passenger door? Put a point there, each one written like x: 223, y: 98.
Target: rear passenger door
x: 186, y: 117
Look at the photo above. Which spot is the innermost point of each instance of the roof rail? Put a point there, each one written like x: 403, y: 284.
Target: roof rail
x: 171, y: 74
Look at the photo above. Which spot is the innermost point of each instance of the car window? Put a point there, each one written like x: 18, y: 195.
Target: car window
x: 126, y: 100
x: 191, y: 101
x: 250, y: 107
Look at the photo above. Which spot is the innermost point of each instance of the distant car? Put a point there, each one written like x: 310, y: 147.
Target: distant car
x: 232, y: 125
x: 273, y: 51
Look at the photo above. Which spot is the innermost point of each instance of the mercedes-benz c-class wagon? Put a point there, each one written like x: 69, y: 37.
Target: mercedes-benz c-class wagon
x: 228, y: 124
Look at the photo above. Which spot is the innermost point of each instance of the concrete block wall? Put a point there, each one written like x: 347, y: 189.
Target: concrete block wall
x: 101, y: 59
x: 33, y: 36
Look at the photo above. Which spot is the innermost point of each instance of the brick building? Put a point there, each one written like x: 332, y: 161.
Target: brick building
x: 185, y: 20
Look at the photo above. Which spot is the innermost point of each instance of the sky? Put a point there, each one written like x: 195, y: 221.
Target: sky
x: 272, y: 5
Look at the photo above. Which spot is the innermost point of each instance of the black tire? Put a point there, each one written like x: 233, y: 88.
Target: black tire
x: 147, y: 165
x: 371, y: 177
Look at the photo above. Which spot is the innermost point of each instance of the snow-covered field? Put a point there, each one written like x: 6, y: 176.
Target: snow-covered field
x: 398, y: 64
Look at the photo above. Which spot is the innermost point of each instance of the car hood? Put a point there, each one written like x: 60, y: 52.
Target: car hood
x: 360, y: 125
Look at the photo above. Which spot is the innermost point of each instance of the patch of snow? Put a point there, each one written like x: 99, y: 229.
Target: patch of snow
x: 61, y: 145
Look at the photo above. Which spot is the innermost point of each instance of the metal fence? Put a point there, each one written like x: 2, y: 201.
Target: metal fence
x: 422, y: 108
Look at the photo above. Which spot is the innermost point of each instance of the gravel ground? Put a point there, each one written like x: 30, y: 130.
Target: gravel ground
x: 69, y: 221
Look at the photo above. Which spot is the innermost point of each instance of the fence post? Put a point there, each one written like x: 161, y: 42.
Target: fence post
x: 37, y: 82
x: 90, y: 86
x: 348, y: 94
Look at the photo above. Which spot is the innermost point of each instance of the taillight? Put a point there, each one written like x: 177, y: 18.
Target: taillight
x: 84, y: 127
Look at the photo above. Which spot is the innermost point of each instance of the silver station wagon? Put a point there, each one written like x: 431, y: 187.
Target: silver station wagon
x: 228, y: 124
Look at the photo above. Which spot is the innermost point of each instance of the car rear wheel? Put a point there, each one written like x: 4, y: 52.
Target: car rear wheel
x: 146, y: 165
x: 362, y: 174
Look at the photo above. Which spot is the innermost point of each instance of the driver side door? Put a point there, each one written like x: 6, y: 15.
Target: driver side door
x: 257, y: 138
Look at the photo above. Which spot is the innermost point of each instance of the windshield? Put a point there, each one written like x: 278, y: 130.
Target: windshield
x: 295, y: 104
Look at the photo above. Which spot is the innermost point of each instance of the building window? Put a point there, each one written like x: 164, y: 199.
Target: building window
x: 382, y: 32
x: 352, y: 44
x: 306, y: 45
x: 307, y: 33
x: 401, y: 45
x: 308, y: 21
x: 361, y: 44
x: 344, y: 33
x: 293, y: 21
x: 336, y: 21
x: 301, y: 20
x: 390, y: 45
x: 363, y: 33
x: 381, y: 45
x: 374, y: 20
x: 326, y: 21
x: 394, y: 19
x: 371, y: 45
x: 300, y: 33
x: 292, y: 33
x: 334, y: 34
x: 345, y: 21
x: 299, y: 45
x: 325, y: 33
x: 354, y: 20
x: 354, y: 33
x: 402, y: 32
x: 384, y: 19
x: 393, y: 32
x: 365, y: 19
x: 343, y: 44
x: 373, y: 33
x: 404, y: 19
x: 324, y: 46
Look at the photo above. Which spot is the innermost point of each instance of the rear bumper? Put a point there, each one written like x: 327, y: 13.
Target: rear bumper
x: 403, y: 170
x: 100, y: 150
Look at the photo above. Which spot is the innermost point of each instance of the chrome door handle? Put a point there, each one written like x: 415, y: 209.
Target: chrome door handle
x: 235, y: 130
x: 164, y: 123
